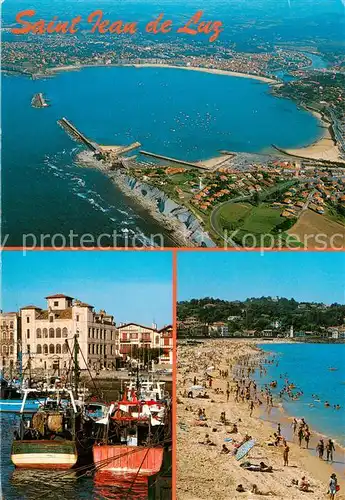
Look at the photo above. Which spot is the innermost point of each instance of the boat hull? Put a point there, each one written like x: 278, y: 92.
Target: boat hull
x: 121, y: 459
x: 45, y: 454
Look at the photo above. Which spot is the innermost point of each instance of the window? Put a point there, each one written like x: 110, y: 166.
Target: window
x: 38, y: 333
x: 39, y: 349
x: 51, y: 333
x: 28, y: 334
x: 27, y: 319
x: 157, y: 340
x: 11, y: 349
x: 166, y: 341
x: 56, y: 303
x: 45, y: 333
x: 58, y: 333
x: 89, y: 348
x: 64, y: 332
x: 64, y: 349
x: 11, y: 324
x: 77, y: 319
x: 29, y: 348
x: 58, y: 349
x: 4, y: 335
x: 51, y: 319
x: 51, y: 349
x: 45, y: 349
x: 4, y: 349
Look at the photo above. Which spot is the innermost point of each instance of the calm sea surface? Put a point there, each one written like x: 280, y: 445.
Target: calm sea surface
x: 183, y: 114
x: 307, y: 366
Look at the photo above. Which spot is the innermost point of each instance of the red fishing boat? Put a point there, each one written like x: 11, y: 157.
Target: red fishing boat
x: 132, y: 436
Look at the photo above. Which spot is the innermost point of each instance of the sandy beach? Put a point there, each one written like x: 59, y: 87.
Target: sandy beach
x: 323, y: 149
x: 152, y: 65
x: 202, y: 471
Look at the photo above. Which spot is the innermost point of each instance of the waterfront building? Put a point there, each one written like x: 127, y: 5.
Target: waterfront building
x: 48, y: 336
x: 134, y: 336
x: 166, y: 345
x: 9, y: 340
x: 218, y: 329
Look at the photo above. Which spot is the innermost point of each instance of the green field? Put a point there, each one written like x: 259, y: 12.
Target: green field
x: 249, y: 219
x: 234, y: 212
x: 262, y: 219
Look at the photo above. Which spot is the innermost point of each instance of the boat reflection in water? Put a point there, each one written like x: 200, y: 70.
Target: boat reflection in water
x: 120, y: 486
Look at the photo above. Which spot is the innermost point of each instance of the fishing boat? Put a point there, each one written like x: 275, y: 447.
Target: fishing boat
x: 47, y: 438
x: 132, y: 436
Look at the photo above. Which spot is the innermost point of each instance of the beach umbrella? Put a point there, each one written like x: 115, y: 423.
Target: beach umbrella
x: 244, y: 449
x: 197, y: 388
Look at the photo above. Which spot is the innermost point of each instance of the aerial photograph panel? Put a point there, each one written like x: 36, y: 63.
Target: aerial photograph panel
x: 233, y: 138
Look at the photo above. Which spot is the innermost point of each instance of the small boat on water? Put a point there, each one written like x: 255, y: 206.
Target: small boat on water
x: 47, y: 438
x: 132, y: 437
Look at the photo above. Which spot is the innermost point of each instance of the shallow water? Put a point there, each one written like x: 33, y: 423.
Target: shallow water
x: 307, y: 366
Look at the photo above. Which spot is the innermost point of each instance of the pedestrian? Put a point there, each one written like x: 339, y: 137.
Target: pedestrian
x: 333, y: 486
x: 294, y: 425
x: 300, y: 436
x: 286, y: 455
x: 329, y: 450
x: 251, y: 407
x: 320, y: 448
x: 307, y: 438
x: 279, y: 430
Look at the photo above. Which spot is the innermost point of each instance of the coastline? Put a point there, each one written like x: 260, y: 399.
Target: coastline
x: 203, y: 472
x: 325, y: 148
x: 214, y: 71
x: 178, y: 231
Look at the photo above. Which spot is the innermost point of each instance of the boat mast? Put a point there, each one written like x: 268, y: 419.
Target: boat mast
x: 76, y: 366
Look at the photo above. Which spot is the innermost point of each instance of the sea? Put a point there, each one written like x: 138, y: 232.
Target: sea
x: 307, y: 366
x: 183, y: 114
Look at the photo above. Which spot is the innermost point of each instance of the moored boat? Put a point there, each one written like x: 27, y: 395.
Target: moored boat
x: 132, y: 436
x: 47, y: 438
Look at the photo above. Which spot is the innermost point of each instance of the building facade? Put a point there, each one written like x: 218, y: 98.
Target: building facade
x: 48, y: 335
x: 166, y: 345
x: 9, y: 340
x: 134, y: 336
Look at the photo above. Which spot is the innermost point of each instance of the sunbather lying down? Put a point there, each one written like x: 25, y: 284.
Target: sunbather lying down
x: 207, y: 441
x: 262, y: 467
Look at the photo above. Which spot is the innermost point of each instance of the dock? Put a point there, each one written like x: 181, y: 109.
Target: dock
x: 174, y: 160
x: 102, y: 151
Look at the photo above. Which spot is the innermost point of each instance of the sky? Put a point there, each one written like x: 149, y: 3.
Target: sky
x: 304, y: 276
x: 134, y: 286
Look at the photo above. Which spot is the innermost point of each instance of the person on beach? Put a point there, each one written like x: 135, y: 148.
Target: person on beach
x: 307, y: 437
x: 294, y: 425
x: 286, y: 454
x: 300, y: 436
x: 320, y: 448
x: 279, y: 431
x: 329, y: 450
x: 251, y: 408
x: 333, y: 486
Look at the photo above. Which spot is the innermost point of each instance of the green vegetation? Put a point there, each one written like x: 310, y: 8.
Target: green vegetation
x: 263, y: 313
x: 245, y: 218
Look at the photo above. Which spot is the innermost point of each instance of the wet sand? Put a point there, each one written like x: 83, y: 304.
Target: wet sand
x: 323, y: 149
x: 204, y: 473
